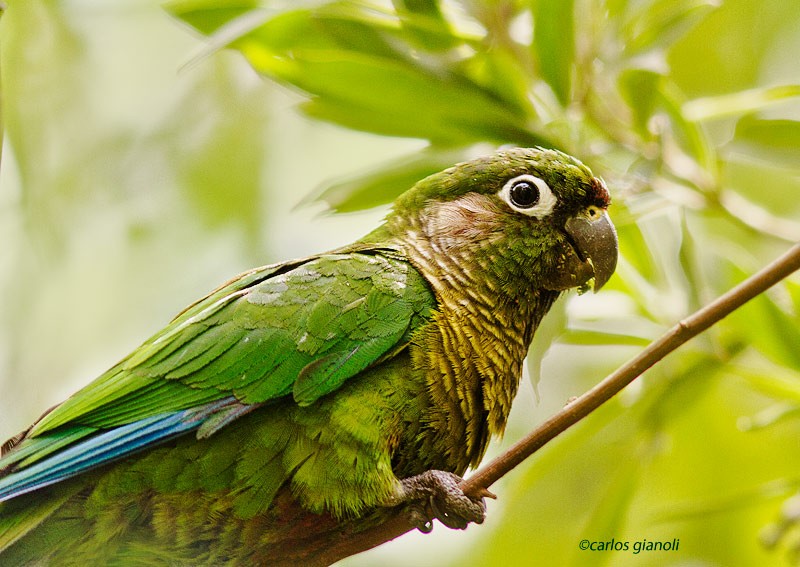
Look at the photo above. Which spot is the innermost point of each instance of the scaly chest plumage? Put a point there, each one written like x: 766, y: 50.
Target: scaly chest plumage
x: 470, y: 361
x: 470, y: 354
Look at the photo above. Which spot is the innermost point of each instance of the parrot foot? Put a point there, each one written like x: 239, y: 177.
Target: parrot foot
x: 436, y: 494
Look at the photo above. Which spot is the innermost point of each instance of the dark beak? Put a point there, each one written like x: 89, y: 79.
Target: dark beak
x: 595, y: 241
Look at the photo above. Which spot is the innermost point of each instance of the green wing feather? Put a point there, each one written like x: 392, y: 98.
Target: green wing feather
x: 299, y: 329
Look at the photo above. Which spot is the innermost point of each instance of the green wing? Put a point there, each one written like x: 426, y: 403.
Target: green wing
x: 298, y: 329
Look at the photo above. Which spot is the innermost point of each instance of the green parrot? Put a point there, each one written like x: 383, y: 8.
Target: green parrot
x: 306, y: 400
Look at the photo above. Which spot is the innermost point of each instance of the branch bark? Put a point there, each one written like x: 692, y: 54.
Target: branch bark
x: 581, y: 407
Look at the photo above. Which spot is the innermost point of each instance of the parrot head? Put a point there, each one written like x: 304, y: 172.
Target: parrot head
x: 523, y: 214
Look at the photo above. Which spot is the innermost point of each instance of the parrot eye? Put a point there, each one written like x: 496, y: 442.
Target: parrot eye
x: 523, y: 195
x: 529, y: 195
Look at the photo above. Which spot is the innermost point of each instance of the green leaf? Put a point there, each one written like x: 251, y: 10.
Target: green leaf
x: 636, y: 251
x: 647, y: 91
x: 609, y: 520
x: 734, y: 104
x: 773, y: 415
x: 661, y: 23
x: 425, y: 24
x: 693, y: 138
x: 764, y: 376
x: 548, y: 332
x: 554, y: 42
x: 639, y: 88
x: 778, y: 134
x: 362, y: 69
x: 398, y: 100
x: 596, y: 338
x: 207, y: 16
x: 220, y: 173
x: 359, y: 74
x: 769, y: 329
x: 794, y: 292
x: 504, y: 75
x: 761, y: 190
x: 325, y: 30
x: 383, y: 184
x: 771, y: 140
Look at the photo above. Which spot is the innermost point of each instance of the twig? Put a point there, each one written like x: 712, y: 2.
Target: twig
x: 590, y: 401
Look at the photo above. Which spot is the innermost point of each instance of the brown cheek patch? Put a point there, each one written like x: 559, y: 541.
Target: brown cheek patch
x: 471, y: 217
x: 599, y: 196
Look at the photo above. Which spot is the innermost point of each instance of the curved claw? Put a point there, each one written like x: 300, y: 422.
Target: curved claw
x: 452, y: 521
x: 419, y: 518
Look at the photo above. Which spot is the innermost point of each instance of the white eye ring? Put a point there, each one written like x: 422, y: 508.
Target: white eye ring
x: 538, y: 209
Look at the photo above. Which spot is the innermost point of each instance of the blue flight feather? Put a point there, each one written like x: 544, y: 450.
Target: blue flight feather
x: 98, y: 450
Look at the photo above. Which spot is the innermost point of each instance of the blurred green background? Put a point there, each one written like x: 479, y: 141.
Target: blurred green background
x: 150, y: 152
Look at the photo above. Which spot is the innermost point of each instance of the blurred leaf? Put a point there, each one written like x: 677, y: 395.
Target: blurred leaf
x: 681, y: 384
x: 361, y: 73
x: 636, y: 251
x: 794, y: 293
x: 769, y: 417
x: 690, y: 259
x: 207, y: 16
x: 403, y: 102
x: 663, y: 21
x: 769, y: 329
x: 554, y: 41
x: 733, y: 104
x: 710, y: 505
x: 326, y: 32
x: 648, y: 91
x: 650, y: 264
x: 762, y: 191
x: 741, y: 45
x: 777, y: 134
x: 425, y: 24
x: 692, y: 136
x: 550, y: 329
x: 616, y: 8
x: 767, y: 377
x: 503, y: 73
x: 609, y: 520
x: 383, y: 184
x: 361, y: 77
x: 639, y: 88
x: 772, y: 140
x: 220, y: 157
x: 223, y: 36
x: 595, y: 338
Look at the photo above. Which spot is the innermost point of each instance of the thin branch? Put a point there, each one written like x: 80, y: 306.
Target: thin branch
x: 588, y: 402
